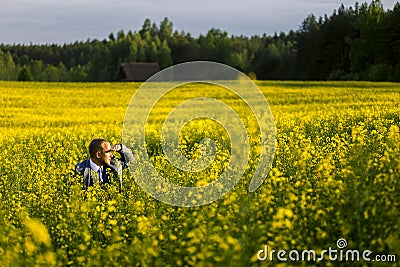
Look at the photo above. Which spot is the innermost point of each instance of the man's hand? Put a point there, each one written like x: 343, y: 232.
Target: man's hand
x: 116, y: 147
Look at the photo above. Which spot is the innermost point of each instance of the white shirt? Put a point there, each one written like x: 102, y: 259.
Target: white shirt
x: 96, y: 168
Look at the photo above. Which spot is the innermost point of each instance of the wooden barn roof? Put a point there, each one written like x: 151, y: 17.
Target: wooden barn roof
x: 137, y: 71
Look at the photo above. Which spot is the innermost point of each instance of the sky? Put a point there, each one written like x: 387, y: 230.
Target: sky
x: 67, y: 21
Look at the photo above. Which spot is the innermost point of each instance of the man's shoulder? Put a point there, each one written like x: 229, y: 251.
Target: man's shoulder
x: 81, y: 166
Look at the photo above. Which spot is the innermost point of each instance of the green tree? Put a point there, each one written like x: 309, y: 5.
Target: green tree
x: 24, y: 75
x: 151, y: 50
x: 389, y: 47
x: 166, y: 28
x: 77, y: 74
x: 50, y: 73
x: 135, y: 41
x: 62, y: 72
x: 183, y: 47
x: 309, y: 46
x: 164, y: 56
x: 8, y: 70
x: 148, y: 27
x: 36, y: 69
x: 368, y: 25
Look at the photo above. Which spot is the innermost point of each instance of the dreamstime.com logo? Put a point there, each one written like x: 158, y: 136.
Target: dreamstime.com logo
x: 340, y: 253
x: 148, y: 95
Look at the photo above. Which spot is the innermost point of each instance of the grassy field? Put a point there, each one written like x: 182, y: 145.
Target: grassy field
x: 336, y: 175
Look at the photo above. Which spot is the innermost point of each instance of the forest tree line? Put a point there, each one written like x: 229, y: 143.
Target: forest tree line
x: 353, y: 43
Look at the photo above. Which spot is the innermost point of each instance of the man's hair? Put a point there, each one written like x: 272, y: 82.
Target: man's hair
x: 95, y: 145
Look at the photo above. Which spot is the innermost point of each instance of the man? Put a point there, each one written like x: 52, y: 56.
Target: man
x: 102, y: 166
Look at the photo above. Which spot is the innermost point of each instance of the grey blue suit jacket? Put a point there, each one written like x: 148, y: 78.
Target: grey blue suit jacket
x: 111, y: 172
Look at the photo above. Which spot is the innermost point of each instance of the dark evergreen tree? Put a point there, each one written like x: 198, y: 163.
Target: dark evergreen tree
x: 24, y: 75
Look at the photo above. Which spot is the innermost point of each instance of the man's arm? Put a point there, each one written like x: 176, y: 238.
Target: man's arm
x: 126, y: 155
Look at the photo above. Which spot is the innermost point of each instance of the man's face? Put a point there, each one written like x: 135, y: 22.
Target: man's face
x: 105, y: 155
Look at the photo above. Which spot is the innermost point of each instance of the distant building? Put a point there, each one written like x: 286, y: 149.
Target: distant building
x: 137, y: 71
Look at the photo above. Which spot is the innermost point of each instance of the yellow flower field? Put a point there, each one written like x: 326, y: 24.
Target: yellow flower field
x: 336, y: 175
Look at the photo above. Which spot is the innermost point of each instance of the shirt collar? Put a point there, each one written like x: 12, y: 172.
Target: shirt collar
x: 94, y: 166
